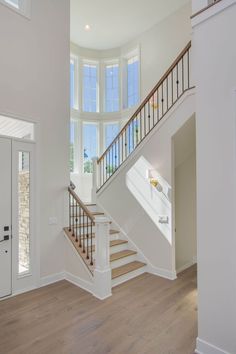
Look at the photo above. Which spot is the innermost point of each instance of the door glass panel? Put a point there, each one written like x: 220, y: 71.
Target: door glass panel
x: 24, y: 212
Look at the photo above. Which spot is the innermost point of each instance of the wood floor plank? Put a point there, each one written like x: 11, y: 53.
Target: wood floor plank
x: 146, y: 315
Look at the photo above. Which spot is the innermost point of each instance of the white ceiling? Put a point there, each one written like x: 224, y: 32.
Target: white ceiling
x: 116, y: 22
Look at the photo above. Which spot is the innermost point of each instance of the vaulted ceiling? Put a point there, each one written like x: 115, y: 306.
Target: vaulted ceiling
x: 116, y: 22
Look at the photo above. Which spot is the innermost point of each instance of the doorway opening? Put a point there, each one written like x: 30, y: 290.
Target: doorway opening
x: 185, y: 196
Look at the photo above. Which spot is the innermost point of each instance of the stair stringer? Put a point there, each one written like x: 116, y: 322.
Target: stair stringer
x: 149, y: 268
x: 111, y: 198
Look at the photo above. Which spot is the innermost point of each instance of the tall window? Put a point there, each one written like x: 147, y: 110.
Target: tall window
x: 132, y: 81
x: 90, y: 91
x: 90, y: 145
x: 112, y: 88
x: 111, y: 131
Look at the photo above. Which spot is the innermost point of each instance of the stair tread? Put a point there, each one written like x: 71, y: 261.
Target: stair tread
x: 121, y: 254
x: 127, y: 268
x: 117, y: 242
x: 112, y: 232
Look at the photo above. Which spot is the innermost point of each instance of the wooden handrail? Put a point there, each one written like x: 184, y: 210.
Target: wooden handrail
x: 82, y: 205
x: 145, y: 101
x: 205, y: 8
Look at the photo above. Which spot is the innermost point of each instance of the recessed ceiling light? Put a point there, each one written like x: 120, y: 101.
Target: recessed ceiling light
x: 87, y: 28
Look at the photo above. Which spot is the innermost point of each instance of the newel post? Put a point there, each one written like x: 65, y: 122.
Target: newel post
x: 102, y: 272
x: 95, y: 180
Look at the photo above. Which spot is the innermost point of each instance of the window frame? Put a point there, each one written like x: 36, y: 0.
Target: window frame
x: 105, y: 64
x: 105, y: 123
x: 75, y: 59
x: 88, y: 122
x: 134, y: 53
x: 24, y: 8
x: 97, y: 64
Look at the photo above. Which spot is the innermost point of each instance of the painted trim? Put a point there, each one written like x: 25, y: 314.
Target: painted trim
x: 50, y: 279
x: 187, y: 265
x: 212, y: 11
x: 19, y: 292
x: 163, y: 273
x: 81, y: 283
x: 204, y: 347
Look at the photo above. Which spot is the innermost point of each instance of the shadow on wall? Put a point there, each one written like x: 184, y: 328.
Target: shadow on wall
x: 157, y: 205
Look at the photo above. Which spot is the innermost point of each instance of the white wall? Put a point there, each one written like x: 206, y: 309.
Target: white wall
x: 135, y: 205
x: 34, y: 84
x: 215, y: 73
x: 160, y: 46
x: 185, y: 213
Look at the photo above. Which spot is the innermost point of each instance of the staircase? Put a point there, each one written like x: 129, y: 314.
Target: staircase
x: 124, y: 261
x: 109, y: 255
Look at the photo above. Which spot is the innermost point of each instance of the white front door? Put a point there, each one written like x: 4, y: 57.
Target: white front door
x: 18, y: 258
x: 5, y: 218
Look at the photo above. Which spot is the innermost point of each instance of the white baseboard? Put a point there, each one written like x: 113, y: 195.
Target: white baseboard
x: 187, y: 265
x: 50, y: 279
x: 18, y: 292
x: 164, y: 273
x: 204, y: 347
x: 81, y: 283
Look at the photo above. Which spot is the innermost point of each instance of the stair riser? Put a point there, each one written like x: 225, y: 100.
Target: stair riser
x: 111, y: 238
x: 123, y: 261
x: 128, y: 276
x: 122, y: 247
x: 80, y: 217
x: 93, y: 208
x: 83, y: 230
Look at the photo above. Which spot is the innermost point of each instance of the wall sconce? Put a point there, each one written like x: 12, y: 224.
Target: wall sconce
x: 154, y: 181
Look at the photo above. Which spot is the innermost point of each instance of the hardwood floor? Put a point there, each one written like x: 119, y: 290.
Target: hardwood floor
x: 147, y: 315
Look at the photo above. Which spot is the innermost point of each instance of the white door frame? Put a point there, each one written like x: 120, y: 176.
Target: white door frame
x: 24, y: 282
x: 6, y: 218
